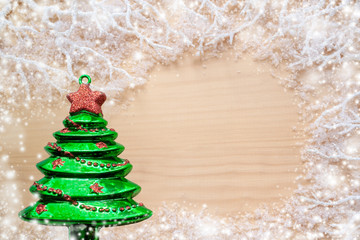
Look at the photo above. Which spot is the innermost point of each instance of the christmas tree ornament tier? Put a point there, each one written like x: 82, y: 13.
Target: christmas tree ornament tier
x: 109, y: 212
x: 85, y: 149
x: 60, y: 189
x: 85, y: 119
x: 79, y: 135
x: 84, y: 167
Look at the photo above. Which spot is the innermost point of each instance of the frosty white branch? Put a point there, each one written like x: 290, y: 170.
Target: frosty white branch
x: 49, y: 45
x: 330, y: 203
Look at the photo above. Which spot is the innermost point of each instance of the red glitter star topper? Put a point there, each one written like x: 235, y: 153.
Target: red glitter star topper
x: 85, y: 98
x: 96, y: 188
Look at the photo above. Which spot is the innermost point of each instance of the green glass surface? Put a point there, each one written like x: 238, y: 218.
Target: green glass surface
x: 83, y: 136
x: 63, y: 213
x: 73, y: 168
x: 87, y: 154
x: 85, y: 119
x: 113, y: 187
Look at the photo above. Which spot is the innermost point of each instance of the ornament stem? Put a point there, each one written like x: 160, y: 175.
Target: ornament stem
x: 83, y: 232
x: 84, y: 76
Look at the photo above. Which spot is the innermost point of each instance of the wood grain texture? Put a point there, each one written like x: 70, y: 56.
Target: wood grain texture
x: 217, y: 132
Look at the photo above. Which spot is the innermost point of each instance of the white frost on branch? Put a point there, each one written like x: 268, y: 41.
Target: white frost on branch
x: 46, y: 45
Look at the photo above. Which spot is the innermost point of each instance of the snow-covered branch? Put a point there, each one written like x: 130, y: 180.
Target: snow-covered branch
x: 48, y: 45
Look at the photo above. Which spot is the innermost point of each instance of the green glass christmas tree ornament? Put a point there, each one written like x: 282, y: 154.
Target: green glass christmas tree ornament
x: 84, y: 186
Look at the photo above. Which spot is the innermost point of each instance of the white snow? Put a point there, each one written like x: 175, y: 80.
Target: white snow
x: 45, y: 46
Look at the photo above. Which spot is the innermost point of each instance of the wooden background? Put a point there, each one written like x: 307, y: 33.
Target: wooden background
x: 218, y: 132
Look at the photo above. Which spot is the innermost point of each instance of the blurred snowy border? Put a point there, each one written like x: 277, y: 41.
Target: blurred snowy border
x: 46, y: 45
